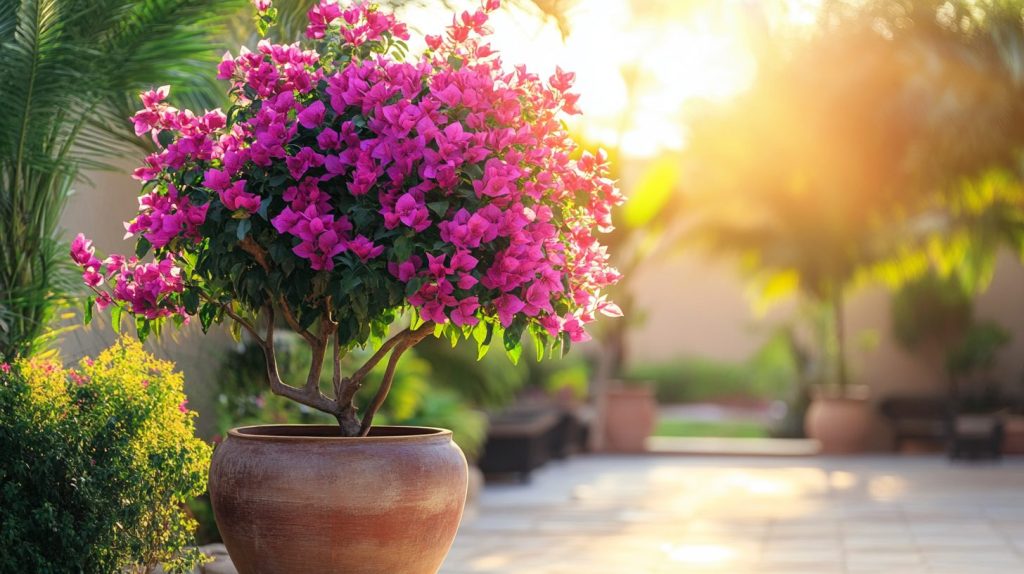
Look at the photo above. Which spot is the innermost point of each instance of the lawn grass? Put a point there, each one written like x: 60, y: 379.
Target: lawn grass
x: 694, y: 428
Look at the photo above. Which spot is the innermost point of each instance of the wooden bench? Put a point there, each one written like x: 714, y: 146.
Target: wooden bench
x: 520, y: 440
x: 923, y: 419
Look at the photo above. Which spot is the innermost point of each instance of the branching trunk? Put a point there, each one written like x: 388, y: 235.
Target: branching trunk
x: 341, y: 406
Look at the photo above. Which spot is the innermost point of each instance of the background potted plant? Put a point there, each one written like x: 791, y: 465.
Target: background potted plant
x: 345, y: 189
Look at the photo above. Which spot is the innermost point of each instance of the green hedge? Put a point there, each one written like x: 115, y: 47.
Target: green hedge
x: 96, y: 464
x: 770, y: 374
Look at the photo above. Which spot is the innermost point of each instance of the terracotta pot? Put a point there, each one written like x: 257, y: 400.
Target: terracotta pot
x: 841, y: 422
x: 1013, y: 443
x: 630, y: 415
x: 299, y: 499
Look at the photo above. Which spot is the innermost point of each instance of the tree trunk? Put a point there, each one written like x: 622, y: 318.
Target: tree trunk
x: 839, y: 334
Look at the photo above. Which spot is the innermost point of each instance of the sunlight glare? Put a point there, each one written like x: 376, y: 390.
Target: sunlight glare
x: 699, y: 554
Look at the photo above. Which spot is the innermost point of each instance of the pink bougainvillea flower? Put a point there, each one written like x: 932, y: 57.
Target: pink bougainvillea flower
x: 236, y: 197
x: 364, y: 249
x: 153, y: 97
x: 312, y: 116
x: 82, y: 250
x: 449, y: 177
x: 508, y: 305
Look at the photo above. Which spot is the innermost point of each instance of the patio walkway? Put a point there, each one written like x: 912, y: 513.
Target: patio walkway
x: 660, y: 514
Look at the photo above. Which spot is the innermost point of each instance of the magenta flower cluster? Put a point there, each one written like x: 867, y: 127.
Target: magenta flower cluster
x: 450, y: 174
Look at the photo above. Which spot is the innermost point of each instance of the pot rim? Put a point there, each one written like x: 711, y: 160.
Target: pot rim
x: 295, y: 433
x: 852, y: 393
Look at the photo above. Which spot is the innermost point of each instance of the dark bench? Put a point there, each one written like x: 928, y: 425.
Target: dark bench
x: 977, y: 436
x: 943, y: 423
x: 924, y: 419
x: 520, y: 440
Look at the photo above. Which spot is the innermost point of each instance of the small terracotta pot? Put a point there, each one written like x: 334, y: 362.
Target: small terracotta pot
x: 841, y: 422
x: 300, y: 499
x: 1014, y: 441
x: 630, y: 415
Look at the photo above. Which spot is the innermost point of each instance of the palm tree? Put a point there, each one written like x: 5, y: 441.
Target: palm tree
x: 70, y: 71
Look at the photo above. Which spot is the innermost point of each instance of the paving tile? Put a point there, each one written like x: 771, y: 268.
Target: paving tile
x: 666, y: 515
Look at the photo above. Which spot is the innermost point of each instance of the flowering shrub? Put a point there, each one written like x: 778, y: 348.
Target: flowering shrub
x: 95, y: 465
x: 347, y: 185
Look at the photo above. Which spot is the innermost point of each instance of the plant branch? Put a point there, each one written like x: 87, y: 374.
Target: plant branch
x: 238, y: 319
x: 310, y: 397
x: 290, y: 319
x: 404, y: 341
x: 385, y: 348
x: 337, y: 378
x: 258, y: 253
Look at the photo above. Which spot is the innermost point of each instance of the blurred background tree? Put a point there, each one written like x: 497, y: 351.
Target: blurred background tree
x: 857, y: 151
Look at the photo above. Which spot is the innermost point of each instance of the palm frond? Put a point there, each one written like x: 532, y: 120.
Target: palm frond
x: 69, y: 72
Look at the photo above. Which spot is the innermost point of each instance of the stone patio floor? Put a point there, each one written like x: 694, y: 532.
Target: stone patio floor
x: 695, y: 515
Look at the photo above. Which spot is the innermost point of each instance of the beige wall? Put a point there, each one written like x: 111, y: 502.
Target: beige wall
x: 694, y: 307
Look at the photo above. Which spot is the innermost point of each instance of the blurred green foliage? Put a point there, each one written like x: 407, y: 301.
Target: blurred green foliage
x: 976, y: 353
x: 714, y: 429
x: 770, y: 374
x: 96, y: 464
x: 931, y: 308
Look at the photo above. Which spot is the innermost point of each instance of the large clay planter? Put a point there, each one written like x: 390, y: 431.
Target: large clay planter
x: 299, y: 499
x: 840, y: 422
x: 630, y: 415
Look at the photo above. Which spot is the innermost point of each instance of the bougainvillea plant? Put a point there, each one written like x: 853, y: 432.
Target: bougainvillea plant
x: 348, y: 187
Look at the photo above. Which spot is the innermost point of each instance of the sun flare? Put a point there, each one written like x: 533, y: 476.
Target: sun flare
x: 640, y: 65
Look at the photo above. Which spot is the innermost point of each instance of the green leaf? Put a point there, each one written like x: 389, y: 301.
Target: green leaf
x: 115, y: 318
x: 439, y: 207
x: 481, y: 351
x: 512, y: 338
x: 514, y: 352
x: 190, y: 299
x: 165, y: 138
x: 235, y: 328
x: 402, y: 248
x: 538, y: 344
x: 413, y: 286
x: 243, y: 228
x: 207, y: 316
x: 87, y: 310
x: 142, y: 327
x: 142, y: 247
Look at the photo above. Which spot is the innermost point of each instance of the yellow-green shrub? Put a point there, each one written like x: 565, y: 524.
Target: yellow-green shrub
x: 96, y: 463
